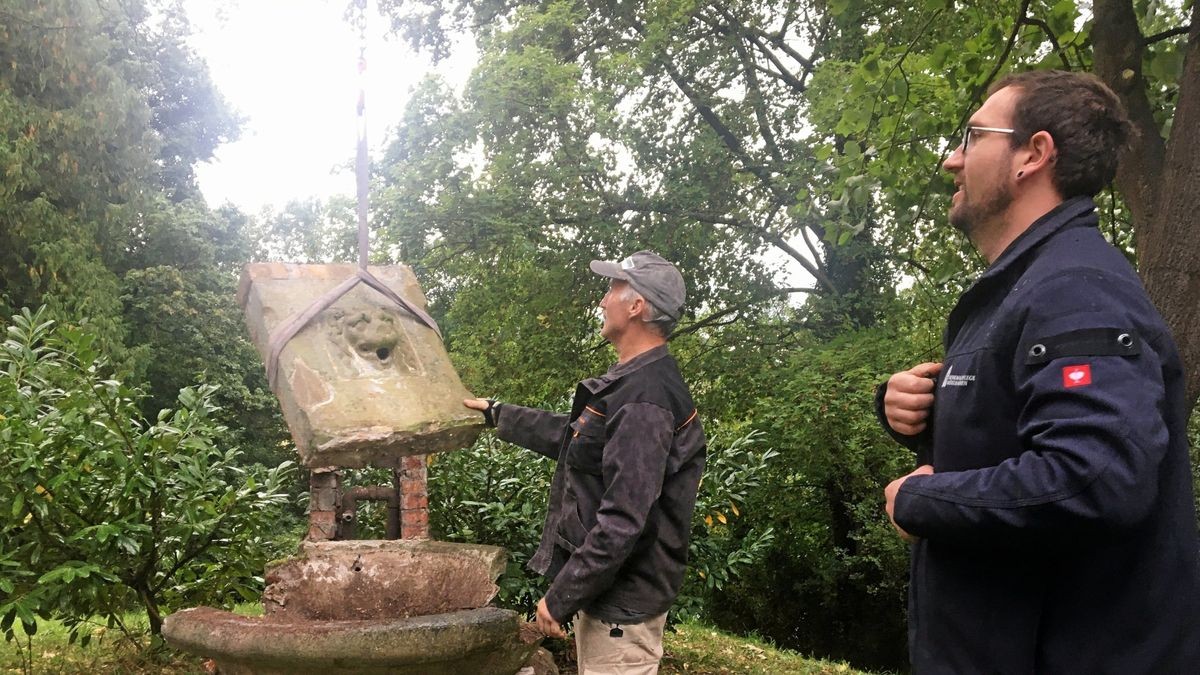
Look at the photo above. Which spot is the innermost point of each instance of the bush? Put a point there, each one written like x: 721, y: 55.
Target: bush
x: 833, y: 579
x: 720, y: 551
x: 102, y: 510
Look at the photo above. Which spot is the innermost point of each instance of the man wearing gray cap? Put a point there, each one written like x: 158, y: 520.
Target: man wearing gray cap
x: 630, y: 455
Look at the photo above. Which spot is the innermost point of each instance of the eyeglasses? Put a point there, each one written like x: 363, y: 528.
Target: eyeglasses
x: 966, y: 137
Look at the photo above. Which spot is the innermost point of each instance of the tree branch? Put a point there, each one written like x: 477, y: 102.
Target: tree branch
x: 1118, y: 49
x: 716, y: 317
x: 754, y: 93
x: 1167, y: 35
x: 1008, y: 47
x: 773, y: 238
x: 1051, y: 37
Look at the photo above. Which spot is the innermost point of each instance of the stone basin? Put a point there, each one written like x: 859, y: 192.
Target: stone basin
x: 486, y: 641
x: 402, y: 606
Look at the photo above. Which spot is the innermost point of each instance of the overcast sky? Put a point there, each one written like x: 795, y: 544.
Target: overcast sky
x: 290, y: 68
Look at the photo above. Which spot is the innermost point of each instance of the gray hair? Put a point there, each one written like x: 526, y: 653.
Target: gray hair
x: 659, y: 321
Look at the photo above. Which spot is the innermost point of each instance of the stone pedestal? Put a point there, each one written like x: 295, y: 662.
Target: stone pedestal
x: 372, y: 579
x: 364, y: 383
x: 414, y: 499
x: 486, y: 641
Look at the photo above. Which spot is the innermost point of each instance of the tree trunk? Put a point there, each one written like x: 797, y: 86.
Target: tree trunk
x: 1160, y: 182
x: 152, y: 613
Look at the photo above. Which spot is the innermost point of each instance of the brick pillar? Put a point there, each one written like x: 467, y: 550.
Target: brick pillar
x: 414, y: 500
x: 325, y: 488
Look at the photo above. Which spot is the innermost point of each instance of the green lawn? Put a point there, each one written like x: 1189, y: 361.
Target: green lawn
x: 690, y: 648
x: 693, y: 648
x: 108, y: 652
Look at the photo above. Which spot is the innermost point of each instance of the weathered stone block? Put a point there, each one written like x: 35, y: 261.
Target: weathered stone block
x: 364, y: 383
x: 371, y: 579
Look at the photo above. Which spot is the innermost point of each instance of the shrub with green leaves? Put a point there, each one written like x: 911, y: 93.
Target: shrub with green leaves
x: 722, y: 548
x: 102, y: 510
x: 834, y: 554
x: 494, y: 493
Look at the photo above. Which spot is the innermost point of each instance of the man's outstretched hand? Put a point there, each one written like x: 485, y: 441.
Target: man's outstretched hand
x: 479, y: 404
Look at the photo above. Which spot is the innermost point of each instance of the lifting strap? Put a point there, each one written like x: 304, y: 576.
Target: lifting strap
x: 288, y: 328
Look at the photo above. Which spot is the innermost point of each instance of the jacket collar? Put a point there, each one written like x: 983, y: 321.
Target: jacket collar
x: 1042, y: 229
x: 1076, y: 211
x: 619, y: 370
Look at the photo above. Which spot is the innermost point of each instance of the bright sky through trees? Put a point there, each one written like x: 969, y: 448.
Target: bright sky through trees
x: 290, y: 68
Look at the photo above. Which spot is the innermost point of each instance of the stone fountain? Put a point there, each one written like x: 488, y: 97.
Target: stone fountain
x: 362, y: 382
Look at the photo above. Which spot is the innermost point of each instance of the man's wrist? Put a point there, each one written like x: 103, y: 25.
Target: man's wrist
x: 491, y: 414
x: 554, y: 609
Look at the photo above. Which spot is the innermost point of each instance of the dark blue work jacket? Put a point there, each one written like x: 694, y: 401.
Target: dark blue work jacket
x: 1058, y: 532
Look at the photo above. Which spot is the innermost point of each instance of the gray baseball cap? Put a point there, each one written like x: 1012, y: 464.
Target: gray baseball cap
x: 656, y: 279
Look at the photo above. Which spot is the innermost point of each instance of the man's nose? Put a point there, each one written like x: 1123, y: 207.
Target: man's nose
x: 954, y: 162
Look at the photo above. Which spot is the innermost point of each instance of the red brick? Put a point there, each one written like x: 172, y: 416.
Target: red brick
x: 322, y: 526
x: 410, y: 501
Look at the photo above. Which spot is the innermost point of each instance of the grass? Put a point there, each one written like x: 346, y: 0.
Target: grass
x: 108, y: 652
x: 699, y: 650
x: 690, y: 648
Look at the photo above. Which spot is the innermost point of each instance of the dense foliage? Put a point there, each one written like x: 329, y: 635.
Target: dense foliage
x: 122, y: 476
x: 105, y: 510
x: 104, y: 111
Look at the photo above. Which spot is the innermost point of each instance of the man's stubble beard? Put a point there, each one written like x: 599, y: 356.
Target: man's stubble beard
x: 969, y: 217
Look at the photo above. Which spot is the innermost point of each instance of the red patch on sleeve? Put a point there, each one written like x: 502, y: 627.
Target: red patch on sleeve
x: 1077, y: 376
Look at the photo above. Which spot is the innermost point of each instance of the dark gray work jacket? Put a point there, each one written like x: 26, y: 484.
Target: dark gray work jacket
x: 630, y: 456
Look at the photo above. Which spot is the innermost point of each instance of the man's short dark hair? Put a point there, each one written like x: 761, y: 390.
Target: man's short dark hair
x: 1083, y: 116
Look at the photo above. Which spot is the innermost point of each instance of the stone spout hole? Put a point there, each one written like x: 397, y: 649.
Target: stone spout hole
x: 383, y: 353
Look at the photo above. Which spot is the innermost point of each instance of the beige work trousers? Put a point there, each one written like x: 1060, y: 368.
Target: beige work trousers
x: 636, y: 652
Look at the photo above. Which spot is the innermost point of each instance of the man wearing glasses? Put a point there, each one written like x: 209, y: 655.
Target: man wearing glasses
x: 1051, y: 512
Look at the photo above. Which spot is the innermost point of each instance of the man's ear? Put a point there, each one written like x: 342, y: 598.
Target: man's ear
x: 1038, y: 155
x: 637, y: 307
